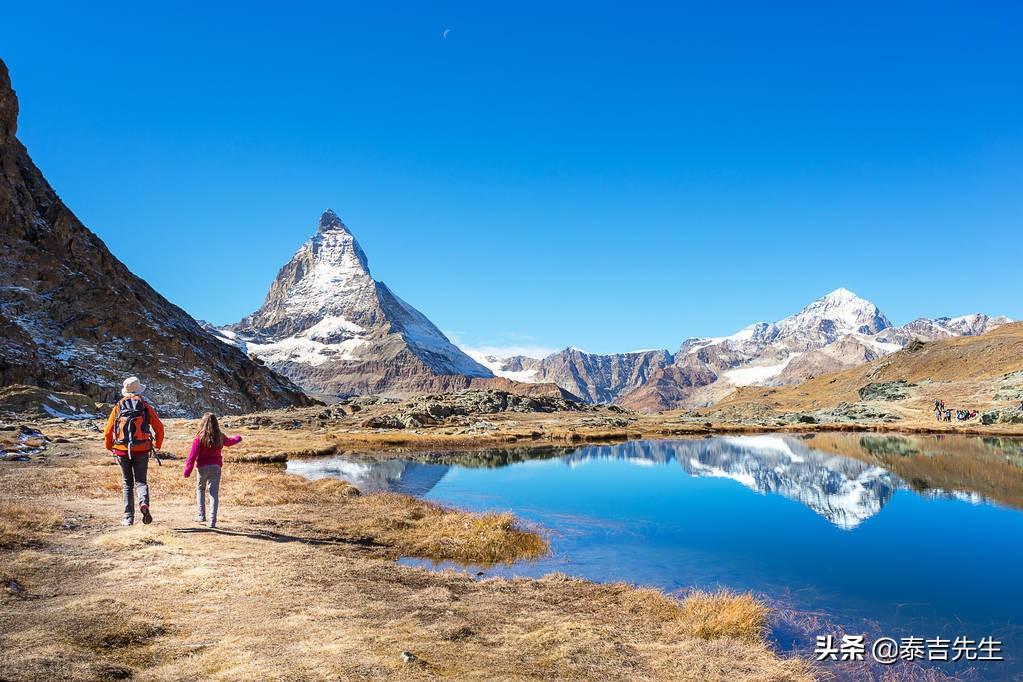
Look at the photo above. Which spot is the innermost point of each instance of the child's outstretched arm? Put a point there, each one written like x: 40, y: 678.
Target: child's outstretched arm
x: 232, y: 440
x: 190, y: 462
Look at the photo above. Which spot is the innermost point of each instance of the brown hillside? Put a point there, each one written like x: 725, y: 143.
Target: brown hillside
x: 970, y: 372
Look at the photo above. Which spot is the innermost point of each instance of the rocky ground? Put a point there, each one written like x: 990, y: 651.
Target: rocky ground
x: 300, y: 581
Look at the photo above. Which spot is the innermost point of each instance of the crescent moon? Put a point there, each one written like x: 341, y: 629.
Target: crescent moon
x: 445, y: 33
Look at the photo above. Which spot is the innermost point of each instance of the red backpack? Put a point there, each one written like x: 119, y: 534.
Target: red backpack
x: 131, y: 425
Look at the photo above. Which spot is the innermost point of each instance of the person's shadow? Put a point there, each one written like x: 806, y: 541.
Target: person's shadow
x: 360, y: 542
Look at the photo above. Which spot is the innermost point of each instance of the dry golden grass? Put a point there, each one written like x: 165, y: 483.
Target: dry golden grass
x: 707, y: 615
x: 26, y: 524
x: 712, y: 615
x: 271, y: 487
x: 300, y: 583
x: 423, y: 529
x: 138, y: 537
x: 109, y: 624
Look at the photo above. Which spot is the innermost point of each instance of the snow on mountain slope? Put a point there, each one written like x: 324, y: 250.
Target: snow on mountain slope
x: 328, y: 325
x: 517, y: 367
x: 836, y: 331
x: 926, y: 329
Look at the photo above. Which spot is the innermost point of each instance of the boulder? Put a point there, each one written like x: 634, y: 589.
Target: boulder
x: 886, y: 390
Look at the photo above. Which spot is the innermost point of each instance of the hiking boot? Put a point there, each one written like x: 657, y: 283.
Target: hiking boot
x: 127, y: 522
x: 147, y: 518
x: 200, y: 519
x: 213, y: 524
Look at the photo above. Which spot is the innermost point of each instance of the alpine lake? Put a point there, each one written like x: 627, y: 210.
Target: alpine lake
x: 914, y: 538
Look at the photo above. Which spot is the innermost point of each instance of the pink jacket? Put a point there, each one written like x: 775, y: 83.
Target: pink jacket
x: 203, y: 456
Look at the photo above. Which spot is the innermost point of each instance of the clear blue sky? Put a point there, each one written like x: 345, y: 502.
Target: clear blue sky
x: 607, y: 175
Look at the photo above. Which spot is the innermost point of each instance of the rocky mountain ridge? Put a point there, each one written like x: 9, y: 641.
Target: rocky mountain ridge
x: 74, y: 318
x: 836, y: 331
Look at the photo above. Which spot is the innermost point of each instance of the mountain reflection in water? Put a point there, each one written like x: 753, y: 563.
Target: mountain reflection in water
x: 848, y: 533
x: 844, y: 490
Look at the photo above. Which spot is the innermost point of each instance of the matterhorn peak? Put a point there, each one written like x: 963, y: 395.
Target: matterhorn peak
x: 335, y: 244
x: 330, y: 221
x: 327, y: 323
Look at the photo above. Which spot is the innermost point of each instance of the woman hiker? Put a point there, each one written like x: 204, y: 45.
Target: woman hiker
x: 206, y: 456
x: 132, y: 431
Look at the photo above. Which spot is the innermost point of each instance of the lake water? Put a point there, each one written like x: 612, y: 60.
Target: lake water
x: 842, y: 534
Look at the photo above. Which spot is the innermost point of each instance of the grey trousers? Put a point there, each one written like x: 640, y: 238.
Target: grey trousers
x: 209, y: 475
x: 133, y: 475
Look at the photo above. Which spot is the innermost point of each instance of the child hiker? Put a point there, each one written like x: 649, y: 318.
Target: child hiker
x: 206, y: 456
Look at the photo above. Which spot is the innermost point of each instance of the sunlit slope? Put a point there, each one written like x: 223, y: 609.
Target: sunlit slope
x: 969, y: 372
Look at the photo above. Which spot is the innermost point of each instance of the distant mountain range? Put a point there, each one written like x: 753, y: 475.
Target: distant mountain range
x: 334, y: 330
x: 834, y: 332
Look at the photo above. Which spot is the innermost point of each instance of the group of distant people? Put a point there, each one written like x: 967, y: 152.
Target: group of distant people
x: 943, y: 414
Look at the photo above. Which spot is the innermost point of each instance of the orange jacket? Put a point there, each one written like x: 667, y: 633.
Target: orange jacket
x: 154, y: 423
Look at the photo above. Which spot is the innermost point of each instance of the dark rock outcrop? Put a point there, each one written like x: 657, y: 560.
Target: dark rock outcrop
x: 886, y: 390
x: 434, y: 409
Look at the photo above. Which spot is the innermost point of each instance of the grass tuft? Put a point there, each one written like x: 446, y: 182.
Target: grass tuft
x: 712, y: 615
x: 24, y: 525
x: 426, y: 530
x: 108, y: 624
x: 276, y: 488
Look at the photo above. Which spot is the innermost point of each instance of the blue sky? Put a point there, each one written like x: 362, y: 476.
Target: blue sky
x: 606, y: 175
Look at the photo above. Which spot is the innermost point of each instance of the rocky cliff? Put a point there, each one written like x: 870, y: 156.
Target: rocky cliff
x: 73, y: 317
x: 594, y: 377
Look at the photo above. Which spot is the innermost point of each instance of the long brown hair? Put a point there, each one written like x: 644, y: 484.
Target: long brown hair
x: 209, y: 431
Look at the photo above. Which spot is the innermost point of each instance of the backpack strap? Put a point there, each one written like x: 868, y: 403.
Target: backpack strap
x: 117, y: 419
x: 144, y: 406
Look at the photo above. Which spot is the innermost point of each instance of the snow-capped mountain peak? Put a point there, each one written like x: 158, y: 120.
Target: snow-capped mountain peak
x: 331, y: 327
x: 841, y: 309
x: 840, y: 295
